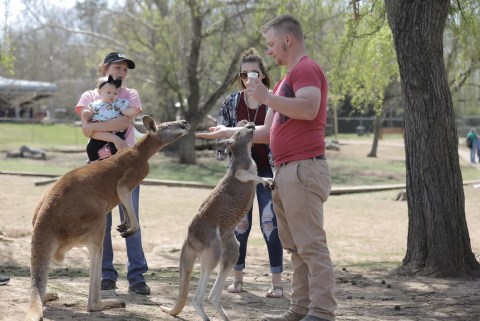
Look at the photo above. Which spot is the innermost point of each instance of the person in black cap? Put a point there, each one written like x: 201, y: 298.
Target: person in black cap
x: 116, y: 57
x: 117, y: 65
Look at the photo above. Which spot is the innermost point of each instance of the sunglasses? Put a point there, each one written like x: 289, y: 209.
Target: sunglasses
x: 253, y: 74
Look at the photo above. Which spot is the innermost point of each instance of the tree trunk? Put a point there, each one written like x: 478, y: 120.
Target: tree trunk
x: 391, y: 102
x: 438, y: 241
x: 186, y: 149
x: 376, y: 134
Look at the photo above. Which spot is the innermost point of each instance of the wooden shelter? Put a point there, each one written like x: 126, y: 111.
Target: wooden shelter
x: 21, y: 99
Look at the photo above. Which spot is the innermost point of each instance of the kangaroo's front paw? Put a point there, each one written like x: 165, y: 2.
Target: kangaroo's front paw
x: 128, y: 233
x: 269, y: 184
x: 125, y: 229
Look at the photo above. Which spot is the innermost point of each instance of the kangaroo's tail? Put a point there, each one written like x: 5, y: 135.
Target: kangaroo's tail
x: 187, y: 261
x: 40, y: 261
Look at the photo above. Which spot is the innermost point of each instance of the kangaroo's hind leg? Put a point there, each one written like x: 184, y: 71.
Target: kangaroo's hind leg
x: 208, y: 261
x: 230, y: 252
x: 95, y: 249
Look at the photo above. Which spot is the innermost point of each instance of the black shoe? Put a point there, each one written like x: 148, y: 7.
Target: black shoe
x: 4, y: 279
x: 286, y: 316
x: 140, y: 288
x: 108, y: 284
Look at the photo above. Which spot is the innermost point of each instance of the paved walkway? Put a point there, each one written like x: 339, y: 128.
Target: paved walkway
x: 464, y: 153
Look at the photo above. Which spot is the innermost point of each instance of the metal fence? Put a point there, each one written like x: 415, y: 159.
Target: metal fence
x: 364, y: 125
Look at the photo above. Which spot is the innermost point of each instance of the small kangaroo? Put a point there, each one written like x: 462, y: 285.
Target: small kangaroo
x: 211, y: 233
x: 73, y: 212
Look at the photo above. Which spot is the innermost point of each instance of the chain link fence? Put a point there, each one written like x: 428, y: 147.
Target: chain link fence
x: 365, y: 125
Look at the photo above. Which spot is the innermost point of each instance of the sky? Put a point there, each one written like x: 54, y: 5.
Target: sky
x: 14, y: 7
x: 10, y: 10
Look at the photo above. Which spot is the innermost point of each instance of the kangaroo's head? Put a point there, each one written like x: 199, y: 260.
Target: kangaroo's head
x: 241, y: 140
x: 167, y: 132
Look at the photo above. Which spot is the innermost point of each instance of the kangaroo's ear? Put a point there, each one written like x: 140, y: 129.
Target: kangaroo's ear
x: 223, y: 144
x: 149, y: 123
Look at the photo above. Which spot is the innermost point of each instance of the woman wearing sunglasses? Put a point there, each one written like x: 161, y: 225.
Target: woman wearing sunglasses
x: 240, y: 108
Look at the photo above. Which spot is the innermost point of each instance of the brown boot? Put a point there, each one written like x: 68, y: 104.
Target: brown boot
x: 286, y: 316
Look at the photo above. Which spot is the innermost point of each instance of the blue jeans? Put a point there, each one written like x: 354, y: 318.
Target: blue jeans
x: 268, y: 226
x: 137, y: 263
x: 473, y: 152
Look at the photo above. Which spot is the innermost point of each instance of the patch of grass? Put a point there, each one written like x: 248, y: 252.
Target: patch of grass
x: 207, y: 170
x: 34, y: 166
x: 346, y: 171
x: 364, y: 137
x: 40, y: 136
x: 352, y: 172
x: 469, y: 173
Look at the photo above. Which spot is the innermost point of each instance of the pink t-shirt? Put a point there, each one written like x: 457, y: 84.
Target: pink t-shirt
x: 294, y: 139
x: 124, y: 93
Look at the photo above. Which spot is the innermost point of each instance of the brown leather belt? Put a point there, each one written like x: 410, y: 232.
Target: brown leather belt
x: 316, y: 157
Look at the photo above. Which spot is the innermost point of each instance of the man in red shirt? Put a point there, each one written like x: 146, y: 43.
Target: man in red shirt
x: 295, y: 129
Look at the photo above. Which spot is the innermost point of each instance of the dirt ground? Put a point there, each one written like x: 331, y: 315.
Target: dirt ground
x: 366, y: 234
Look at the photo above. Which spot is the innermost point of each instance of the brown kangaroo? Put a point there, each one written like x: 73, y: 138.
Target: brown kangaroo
x: 210, y: 234
x: 73, y: 211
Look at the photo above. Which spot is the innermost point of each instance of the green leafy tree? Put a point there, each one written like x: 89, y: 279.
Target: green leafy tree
x: 438, y: 240
x: 187, y: 52
x: 365, y: 69
x: 194, y: 46
x: 7, y: 57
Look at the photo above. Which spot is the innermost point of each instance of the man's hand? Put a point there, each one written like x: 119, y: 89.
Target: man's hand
x: 257, y: 90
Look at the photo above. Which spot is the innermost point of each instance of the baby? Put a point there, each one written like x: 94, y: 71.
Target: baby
x: 106, y: 108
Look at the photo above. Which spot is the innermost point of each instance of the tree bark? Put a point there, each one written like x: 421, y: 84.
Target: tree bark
x: 438, y: 241
x: 376, y: 134
x: 198, y: 105
x: 186, y: 150
x: 391, y: 101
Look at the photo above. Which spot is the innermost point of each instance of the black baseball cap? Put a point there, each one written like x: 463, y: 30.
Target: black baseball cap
x: 114, y: 57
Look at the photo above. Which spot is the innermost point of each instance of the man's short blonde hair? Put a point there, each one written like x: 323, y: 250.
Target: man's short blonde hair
x: 285, y: 24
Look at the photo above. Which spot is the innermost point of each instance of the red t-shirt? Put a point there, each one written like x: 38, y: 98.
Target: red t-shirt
x: 293, y: 139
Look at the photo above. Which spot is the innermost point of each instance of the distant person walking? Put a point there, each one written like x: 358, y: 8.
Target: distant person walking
x: 472, y: 140
x: 478, y: 148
